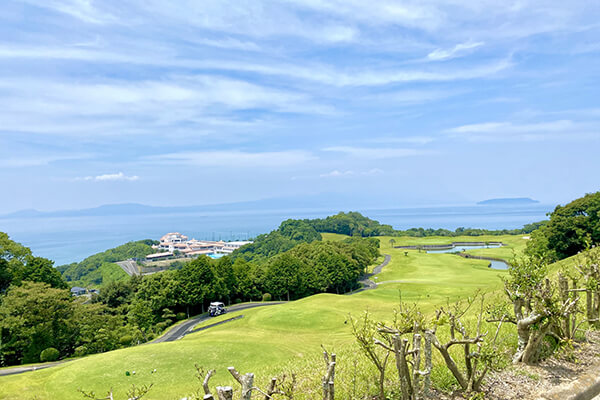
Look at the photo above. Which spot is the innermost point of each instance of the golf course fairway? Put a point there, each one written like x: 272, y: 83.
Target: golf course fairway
x: 268, y: 340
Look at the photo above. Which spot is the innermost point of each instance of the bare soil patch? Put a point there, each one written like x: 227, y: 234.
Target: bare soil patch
x: 524, y: 382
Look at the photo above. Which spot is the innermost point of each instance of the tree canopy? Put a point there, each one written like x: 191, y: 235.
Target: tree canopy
x: 572, y: 228
x: 18, y: 265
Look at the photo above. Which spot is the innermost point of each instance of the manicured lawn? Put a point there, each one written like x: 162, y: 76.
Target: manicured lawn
x: 267, y: 339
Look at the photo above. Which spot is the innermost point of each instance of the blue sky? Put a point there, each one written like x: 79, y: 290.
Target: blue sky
x: 391, y: 103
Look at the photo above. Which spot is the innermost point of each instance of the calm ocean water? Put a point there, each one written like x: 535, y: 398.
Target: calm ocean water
x: 69, y: 239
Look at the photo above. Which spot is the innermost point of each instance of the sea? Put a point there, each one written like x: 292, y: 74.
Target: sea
x: 71, y: 239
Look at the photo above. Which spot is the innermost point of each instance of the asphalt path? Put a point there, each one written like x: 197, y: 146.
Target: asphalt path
x: 187, y: 327
x: 366, y: 281
x: 20, y: 370
x: 129, y: 266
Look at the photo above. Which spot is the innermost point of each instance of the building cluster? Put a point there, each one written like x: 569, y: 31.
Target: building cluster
x: 81, y: 291
x: 175, y: 244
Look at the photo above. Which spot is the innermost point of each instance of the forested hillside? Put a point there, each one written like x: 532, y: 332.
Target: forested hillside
x: 356, y: 224
x: 37, y: 311
x: 101, y: 268
x: 290, y: 233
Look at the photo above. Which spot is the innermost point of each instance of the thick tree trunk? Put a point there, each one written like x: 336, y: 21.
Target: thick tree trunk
x: 400, y: 347
x: 563, y: 285
x: 450, y: 363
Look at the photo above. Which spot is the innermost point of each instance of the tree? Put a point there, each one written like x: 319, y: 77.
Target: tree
x: 196, y: 283
x: 160, y: 291
x: 283, y: 275
x: 97, y: 329
x: 225, y: 280
x: 392, y: 242
x: 116, y: 294
x: 38, y: 269
x: 12, y: 251
x: 248, y: 281
x: 5, y: 276
x: 572, y: 228
x: 367, y: 334
x: 536, y: 311
x: 33, y: 317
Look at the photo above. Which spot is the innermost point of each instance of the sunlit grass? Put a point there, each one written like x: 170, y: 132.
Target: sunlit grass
x: 270, y: 340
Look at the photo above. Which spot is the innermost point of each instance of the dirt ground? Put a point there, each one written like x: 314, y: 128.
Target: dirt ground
x: 525, y: 382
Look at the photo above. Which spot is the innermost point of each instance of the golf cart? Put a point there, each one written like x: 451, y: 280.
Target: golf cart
x: 216, y: 308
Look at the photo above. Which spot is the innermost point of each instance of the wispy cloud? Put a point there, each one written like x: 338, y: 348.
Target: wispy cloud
x: 119, y: 176
x: 417, y: 140
x: 511, y: 128
x: 38, y: 160
x: 235, y: 158
x: 83, y: 10
x: 174, y: 104
x: 375, y: 153
x: 456, y: 51
x: 350, y: 173
x: 326, y: 74
x: 533, y: 131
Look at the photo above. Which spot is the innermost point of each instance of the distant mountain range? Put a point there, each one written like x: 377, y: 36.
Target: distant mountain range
x: 514, y: 201
x: 287, y: 203
x: 330, y: 203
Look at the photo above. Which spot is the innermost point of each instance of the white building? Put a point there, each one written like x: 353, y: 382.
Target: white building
x: 176, y: 242
x: 230, y: 247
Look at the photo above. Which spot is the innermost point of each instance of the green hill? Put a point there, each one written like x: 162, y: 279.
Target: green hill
x: 100, y: 268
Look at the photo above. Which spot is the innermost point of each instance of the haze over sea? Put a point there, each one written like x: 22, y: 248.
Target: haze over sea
x: 67, y: 239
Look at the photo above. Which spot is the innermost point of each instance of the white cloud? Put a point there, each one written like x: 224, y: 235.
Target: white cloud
x: 409, y: 97
x: 38, y: 160
x: 349, y: 173
x: 235, y: 158
x: 83, y: 10
x: 327, y: 74
x: 119, y: 176
x: 375, y: 153
x: 511, y: 128
x: 457, y: 51
x: 533, y: 131
x: 108, y: 108
x: 336, y: 174
x: 418, y: 140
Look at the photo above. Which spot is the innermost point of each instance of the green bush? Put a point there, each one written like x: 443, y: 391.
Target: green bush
x: 266, y: 297
x: 161, y: 326
x: 80, y: 351
x: 181, y: 315
x: 125, y: 340
x: 49, y: 354
x: 237, y: 300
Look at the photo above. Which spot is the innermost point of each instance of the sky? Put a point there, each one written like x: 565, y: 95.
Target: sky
x: 390, y: 103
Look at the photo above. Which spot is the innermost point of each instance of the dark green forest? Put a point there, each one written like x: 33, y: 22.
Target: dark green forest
x: 38, y: 313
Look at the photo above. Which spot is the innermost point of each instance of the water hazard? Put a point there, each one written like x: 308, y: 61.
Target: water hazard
x: 497, y: 264
x: 461, y: 248
x: 494, y: 264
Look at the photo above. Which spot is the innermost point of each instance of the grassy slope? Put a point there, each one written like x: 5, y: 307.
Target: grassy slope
x: 107, y: 272
x: 265, y: 339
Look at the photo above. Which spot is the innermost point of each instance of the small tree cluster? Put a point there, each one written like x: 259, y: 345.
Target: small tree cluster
x: 541, y: 309
x: 409, y: 340
x: 589, y: 273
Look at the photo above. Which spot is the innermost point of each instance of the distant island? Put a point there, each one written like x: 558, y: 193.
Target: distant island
x: 514, y: 201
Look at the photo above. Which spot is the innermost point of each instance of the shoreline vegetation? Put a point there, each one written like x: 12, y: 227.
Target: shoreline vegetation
x: 308, y: 262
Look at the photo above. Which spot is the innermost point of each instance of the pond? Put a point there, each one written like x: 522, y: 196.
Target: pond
x: 496, y: 264
x: 461, y: 248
